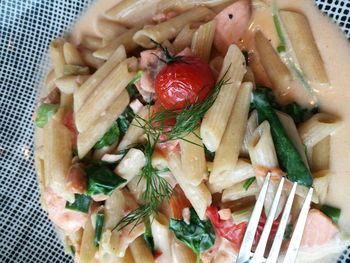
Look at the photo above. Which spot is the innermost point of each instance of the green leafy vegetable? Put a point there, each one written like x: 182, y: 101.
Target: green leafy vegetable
x: 44, y: 112
x: 288, y: 156
x: 81, y: 203
x: 124, y: 120
x: 248, y: 183
x: 109, y: 138
x: 332, y: 212
x: 148, y: 238
x: 198, y: 235
x: 288, y: 232
x: 102, y: 180
x: 209, y: 156
x: 100, y: 218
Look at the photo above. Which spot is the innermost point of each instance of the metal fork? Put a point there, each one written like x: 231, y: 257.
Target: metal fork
x: 246, y: 255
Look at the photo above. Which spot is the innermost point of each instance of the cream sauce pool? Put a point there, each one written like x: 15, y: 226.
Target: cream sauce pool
x: 335, y: 51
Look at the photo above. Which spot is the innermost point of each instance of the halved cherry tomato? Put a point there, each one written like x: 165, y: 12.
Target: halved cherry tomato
x: 180, y: 82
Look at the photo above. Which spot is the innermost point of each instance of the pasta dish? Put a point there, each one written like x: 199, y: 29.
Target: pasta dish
x: 160, y: 119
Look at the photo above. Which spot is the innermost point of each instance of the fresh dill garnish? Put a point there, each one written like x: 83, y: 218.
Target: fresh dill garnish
x: 157, y: 190
x: 187, y: 119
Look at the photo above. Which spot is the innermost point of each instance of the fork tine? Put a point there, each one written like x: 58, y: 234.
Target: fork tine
x: 245, y: 250
x: 276, y: 246
x: 260, y: 249
x: 294, y: 244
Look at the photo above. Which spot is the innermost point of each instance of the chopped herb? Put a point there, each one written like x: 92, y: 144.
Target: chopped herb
x: 198, y: 235
x: 110, y: 137
x: 288, y: 156
x: 278, y: 26
x: 147, y: 236
x: 101, y: 180
x: 124, y: 119
x: 44, y: 112
x: 75, y: 70
x: 248, y: 183
x: 332, y: 212
x: 288, y: 232
x: 81, y: 203
x: 100, y: 218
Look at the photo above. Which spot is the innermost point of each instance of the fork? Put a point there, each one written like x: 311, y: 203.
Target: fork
x: 246, y: 255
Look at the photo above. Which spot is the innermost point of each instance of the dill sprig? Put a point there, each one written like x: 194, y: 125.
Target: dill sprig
x: 157, y: 190
x: 187, y: 118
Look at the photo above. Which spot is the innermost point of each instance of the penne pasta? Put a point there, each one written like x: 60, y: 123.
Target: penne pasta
x: 216, y: 118
x: 170, y: 28
x: 317, y: 128
x: 137, y: 187
x: 91, y: 42
x: 304, y: 46
x: 242, y: 171
x: 58, y: 155
x: 57, y: 56
x: 89, y: 59
x: 72, y: 55
x: 88, y: 249
x: 320, y: 155
x: 183, y: 39
x: 106, y: 93
x: 66, y: 101
x: 109, y: 29
x: 252, y: 124
x: 276, y: 70
x: 216, y: 65
x: 162, y: 237
x: 237, y: 191
x: 71, y: 83
x: 203, y: 39
x: 81, y: 95
x: 193, y: 158
x: 88, y: 138
x: 140, y: 251
x: 227, y: 153
x: 125, y: 39
x: 113, y: 209
x: 249, y: 77
x: 181, y: 253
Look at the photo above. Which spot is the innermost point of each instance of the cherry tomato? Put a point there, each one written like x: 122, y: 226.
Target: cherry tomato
x: 182, y: 81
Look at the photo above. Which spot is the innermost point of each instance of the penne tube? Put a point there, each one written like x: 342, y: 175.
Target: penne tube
x: 227, y: 153
x: 137, y: 187
x: 183, y: 39
x: 49, y: 84
x: 72, y: 55
x: 125, y: 39
x: 91, y: 42
x: 216, y: 118
x: 66, y: 101
x: 170, y: 28
x: 128, y: 258
x: 138, y: 160
x: 199, y: 196
x: 276, y: 70
x: 69, y: 84
x: 140, y: 251
x: 203, y: 39
x: 89, y: 59
x: 317, y: 128
x: 109, y: 29
x: 242, y: 171
x: 40, y: 170
x: 237, y: 191
x: 106, y: 94
x: 320, y: 155
x: 81, y: 95
x: 58, y: 155
x: 133, y: 12
x: 252, y: 124
x: 189, y: 4
x: 193, y: 158
x: 162, y: 237
x: 181, y: 253
x: 292, y: 133
x: 216, y: 65
x: 114, y: 209
x: 57, y: 56
x: 134, y: 134
x: 249, y: 77
x: 88, y: 249
x: 304, y: 46
x: 88, y: 138
x: 106, y: 150
x: 108, y: 247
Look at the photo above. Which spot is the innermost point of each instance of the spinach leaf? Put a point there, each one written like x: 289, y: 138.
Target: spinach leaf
x: 101, y: 180
x: 248, y: 183
x: 332, y: 212
x: 109, y: 138
x: 198, y: 235
x: 131, y: 88
x: 147, y: 236
x: 100, y: 218
x: 44, y: 112
x: 288, y: 156
x: 81, y: 203
x: 124, y: 119
x: 209, y: 156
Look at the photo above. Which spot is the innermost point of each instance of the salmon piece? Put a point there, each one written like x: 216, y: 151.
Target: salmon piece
x: 68, y: 220
x: 319, y: 229
x: 77, y: 181
x: 231, y: 24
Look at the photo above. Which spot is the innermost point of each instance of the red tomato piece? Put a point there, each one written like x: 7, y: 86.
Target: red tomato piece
x: 69, y: 122
x: 179, y: 83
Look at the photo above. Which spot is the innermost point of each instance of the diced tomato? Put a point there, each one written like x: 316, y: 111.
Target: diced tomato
x: 178, y: 202
x: 69, y: 122
x: 235, y: 232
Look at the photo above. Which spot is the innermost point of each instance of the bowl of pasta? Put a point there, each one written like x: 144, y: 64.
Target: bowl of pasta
x: 159, y: 120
